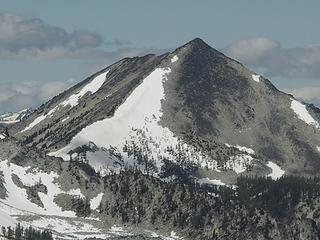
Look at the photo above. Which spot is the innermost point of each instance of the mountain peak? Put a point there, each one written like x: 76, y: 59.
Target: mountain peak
x: 199, y: 47
x: 197, y: 42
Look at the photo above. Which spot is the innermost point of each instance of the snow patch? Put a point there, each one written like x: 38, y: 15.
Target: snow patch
x: 211, y: 181
x: 318, y: 148
x: 35, y: 122
x: 10, y: 118
x: 241, y: 148
x: 174, y: 235
x: 103, y: 162
x: 17, y: 197
x: 174, y: 58
x: 256, y: 77
x: 68, y: 228
x: 92, y: 87
x: 65, y: 119
x: 302, y: 113
x: 276, y: 171
x: 2, y: 136
x: 95, y: 202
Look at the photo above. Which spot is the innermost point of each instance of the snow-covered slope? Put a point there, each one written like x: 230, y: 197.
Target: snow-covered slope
x: 140, y: 112
x: 303, y: 114
x: 17, y: 197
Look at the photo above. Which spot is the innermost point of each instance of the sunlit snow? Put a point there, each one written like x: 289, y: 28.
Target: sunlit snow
x: 95, y: 202
x: 174, y: 59
x: 92, y: 87
x: 239, y: 163
x: 302, y: 113
x: 276, y: 171
x: 211, y: 181
x: 242, y: 148
x: 9, y: 118
x: 256, y: 77
x: 17, y: 197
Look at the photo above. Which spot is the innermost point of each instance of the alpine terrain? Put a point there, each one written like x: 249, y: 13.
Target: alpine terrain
x: 187, y: 145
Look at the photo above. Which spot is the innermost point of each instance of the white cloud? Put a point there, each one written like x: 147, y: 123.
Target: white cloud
x: 31, y: 38
x: 267, y: 54
x: 307, y: 94
x: 252, y: 49
x: 17, y: 96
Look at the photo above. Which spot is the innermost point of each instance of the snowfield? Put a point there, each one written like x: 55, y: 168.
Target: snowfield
x: 276, y: 171
x: 92, y: 87
x: 73, y: 100
x: 302, y: 113
x: 17, y: 197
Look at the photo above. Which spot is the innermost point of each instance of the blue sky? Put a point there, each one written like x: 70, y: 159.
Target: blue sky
x: 47, y: 46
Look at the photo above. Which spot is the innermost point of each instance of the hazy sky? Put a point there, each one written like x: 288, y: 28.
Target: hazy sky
x: 47, y: 46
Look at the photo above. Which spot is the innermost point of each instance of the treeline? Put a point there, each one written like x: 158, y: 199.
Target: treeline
x: 277, y: 197
x: 21, y: 233
x: 214, y: 212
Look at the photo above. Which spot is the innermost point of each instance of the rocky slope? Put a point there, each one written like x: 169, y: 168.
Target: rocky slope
x: 194, y: 106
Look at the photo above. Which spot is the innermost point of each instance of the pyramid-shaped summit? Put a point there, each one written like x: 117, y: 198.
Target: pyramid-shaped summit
x: 194, y: 107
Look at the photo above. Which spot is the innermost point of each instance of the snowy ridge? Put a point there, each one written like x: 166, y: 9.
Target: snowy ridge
x: 302, y: 113
x: 73, y: 100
